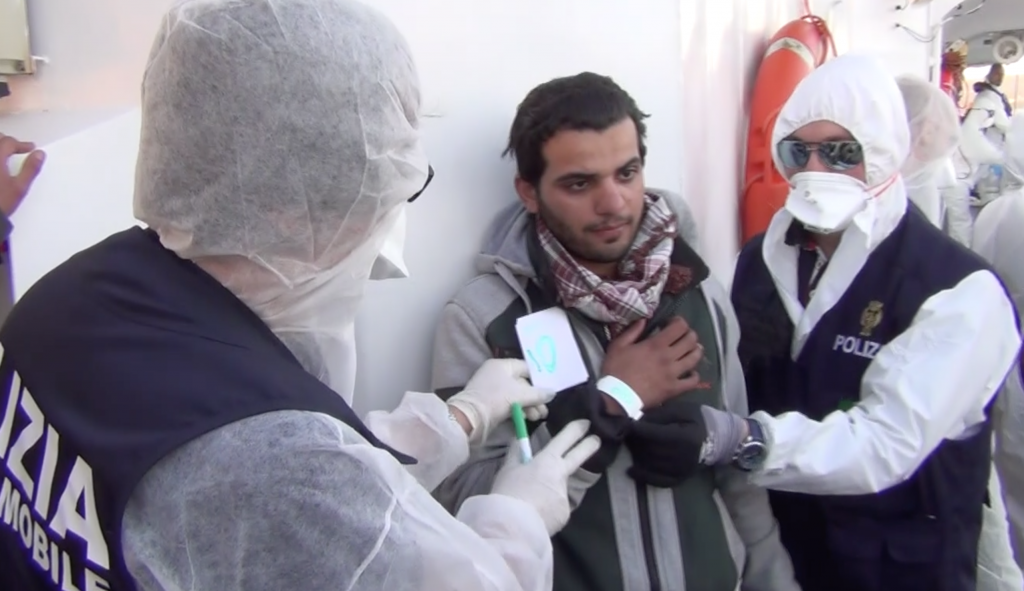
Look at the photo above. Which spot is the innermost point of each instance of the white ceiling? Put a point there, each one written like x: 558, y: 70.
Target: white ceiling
x: 979, y: 22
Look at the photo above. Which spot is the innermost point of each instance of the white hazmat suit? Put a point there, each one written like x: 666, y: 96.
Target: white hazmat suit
x: 934, y: 137
x: 928, y: 384
x: 955, y: 190
x: 984, y: 128
x: 279, y: 148
x: 999, y: 237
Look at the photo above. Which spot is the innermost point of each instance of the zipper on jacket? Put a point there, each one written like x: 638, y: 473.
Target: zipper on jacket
x: 604, y: 336
x: 643, y: 507
x: 647, y: 536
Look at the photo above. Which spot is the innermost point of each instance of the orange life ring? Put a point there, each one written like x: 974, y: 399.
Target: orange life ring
x: 794, y: 52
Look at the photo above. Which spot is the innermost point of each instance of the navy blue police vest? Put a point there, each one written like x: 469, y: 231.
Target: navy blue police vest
x: 921, y: 535
x: 111, y: 361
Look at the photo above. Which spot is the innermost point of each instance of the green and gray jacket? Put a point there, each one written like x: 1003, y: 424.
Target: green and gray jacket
x: 714, y: 532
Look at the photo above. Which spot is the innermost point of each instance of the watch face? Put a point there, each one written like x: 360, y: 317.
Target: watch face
x: 752, y: 455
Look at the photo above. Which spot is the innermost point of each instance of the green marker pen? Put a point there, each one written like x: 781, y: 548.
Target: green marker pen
x: 519, y: 421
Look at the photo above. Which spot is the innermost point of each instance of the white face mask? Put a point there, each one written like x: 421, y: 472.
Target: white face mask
x: 826, y: 202
x: 390, y: 263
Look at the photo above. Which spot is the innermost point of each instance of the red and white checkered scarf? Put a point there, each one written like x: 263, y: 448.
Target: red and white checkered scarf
x: 643, y: 274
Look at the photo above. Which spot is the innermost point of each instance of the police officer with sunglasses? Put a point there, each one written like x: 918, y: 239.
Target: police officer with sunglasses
x: 872, y: 347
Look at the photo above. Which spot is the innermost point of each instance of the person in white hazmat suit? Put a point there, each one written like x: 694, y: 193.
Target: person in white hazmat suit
x: 935, y: 135
x: 279, y: 146
x: 984, y: 129
x: 872, y: 346
x: 999, y: 237
x: 930, y: 172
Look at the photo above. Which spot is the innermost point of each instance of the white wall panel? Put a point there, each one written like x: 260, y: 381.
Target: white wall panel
x: 689, y: 63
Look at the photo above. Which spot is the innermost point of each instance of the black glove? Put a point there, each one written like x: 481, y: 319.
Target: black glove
x: 585, y: 401
x: 666, y: 443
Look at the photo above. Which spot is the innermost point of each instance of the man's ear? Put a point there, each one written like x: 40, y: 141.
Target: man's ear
x: 527, y: 194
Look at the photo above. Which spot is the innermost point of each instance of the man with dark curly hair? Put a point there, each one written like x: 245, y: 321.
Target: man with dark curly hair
x: 588, y: 237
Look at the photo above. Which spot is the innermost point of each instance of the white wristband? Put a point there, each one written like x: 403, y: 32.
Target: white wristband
x: 623, y: 394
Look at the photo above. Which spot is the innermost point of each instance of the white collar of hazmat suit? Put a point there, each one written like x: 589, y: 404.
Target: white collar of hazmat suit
x: 857, y: 93
x: 279, y: 146
x: 934, y: 137
x: 289, y: 207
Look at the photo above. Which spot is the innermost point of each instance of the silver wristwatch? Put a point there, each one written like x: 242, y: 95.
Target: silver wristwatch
x: 752, y: 451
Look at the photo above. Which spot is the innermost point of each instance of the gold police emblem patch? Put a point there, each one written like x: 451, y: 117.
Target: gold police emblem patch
x: 870, y: 318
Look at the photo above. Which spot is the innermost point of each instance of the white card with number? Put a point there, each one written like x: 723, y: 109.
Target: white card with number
x: 550, y: 350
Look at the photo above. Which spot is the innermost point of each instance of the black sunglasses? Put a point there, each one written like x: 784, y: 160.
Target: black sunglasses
x: 837, y: 155
x: 430, y: 177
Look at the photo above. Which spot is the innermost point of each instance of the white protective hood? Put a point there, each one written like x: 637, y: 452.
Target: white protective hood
x: 857, y: 93
x: 309, y: 152
x: 934, y: 138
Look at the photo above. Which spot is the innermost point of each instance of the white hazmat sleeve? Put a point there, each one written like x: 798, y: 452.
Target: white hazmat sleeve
x: 929, y: 384
x: 421, y: 427
x: 298, y: 500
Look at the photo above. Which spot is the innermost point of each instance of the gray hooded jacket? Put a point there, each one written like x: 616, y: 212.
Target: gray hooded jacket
x: 758, y: 562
